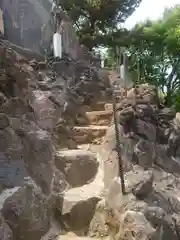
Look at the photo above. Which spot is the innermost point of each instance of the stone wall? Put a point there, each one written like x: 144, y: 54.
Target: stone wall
x: 36, y: 18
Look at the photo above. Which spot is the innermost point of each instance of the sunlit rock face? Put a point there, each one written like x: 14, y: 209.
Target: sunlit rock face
x: 23, y: 20
x: 29, y: 23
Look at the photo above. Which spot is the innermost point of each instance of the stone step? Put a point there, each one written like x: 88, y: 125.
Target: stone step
x: 80, y: 166
x: 77, y: 205
x: 102, y: 118
x: 87, y: 134
x: 98, y: 106
x: 94, y: 107
x: 108, y: 106
x: 71, y: 236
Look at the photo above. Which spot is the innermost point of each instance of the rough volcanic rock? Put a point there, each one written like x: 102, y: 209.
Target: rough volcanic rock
x: 148, y: 129
x: 30, y: 117
x: 5, y: 231
x: 77, y: 209
x: 144, y: 188
x: 27, y: 213
x: 149, y: 146
x: 136, y: 225
x: 162, y: 221
x: 12, y: 171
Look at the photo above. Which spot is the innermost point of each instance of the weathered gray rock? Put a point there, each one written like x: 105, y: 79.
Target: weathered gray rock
x: 149, y: 140
x: 27, y: 213
x: 176, y: 220
x: 39, y: 148
x: 4, y: 121
x: 5, y: 231
x: 3, y: 78
x: 77, y: 205
x: 77, y: 209
x: 144, y: 153
x: 59, y: 183
x: 161, y: 220
x: 99, y: 226
x: 12, y: 152
x: 146, y: 92
x: 144, y: 188
x: 15, y: 107
x: 146, y: 130
x: 136, y: 225
x: 3, y: 98
x: 45, y: 111
x: 170, y: 164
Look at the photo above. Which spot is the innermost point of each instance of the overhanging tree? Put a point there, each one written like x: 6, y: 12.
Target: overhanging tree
x: 155, y: 47
x: 97, y: 20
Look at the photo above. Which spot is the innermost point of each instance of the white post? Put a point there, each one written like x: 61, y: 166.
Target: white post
x: 102, y: 63
x: 57, y: 45
x: 124, y: 64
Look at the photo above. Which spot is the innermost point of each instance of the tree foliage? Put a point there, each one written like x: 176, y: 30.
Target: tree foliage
x: 154, y: 51
x: 97, y: 20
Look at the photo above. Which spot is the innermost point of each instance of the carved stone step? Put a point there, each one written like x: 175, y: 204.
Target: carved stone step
x: 108, y: 106
x: 87, y: 134
x: 102, y: 118
x: 80, y: 166
x: 71, y: 236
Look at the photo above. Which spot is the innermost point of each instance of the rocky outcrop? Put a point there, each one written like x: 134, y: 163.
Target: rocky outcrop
x: 36, y: 114
x: 149, y: 142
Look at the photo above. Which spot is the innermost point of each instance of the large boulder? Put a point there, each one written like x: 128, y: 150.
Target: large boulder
x: 162, y: 221
x: 135, y: 225
x: 27, y: 212
x: 5, y: 231
x: 145, y: 186
x: 77, y: 208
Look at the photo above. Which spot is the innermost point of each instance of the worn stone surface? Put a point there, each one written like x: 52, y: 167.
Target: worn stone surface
x: 77, y: 204
x: 104, y: 224
x: 4, y: 121
x: 71, y: 236
x: 144, y: 188
x: 161, y: 220
x: 136, y: 226
x: 99, y: 117
x: 27, y: 213
x: 5, y: 231
x: 79, y: 166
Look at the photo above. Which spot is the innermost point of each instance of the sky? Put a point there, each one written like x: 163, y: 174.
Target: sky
x: 149, y: 9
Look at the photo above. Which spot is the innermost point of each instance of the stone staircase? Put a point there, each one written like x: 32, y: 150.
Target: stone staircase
x: 83, y: 169
x: 85, y: 173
